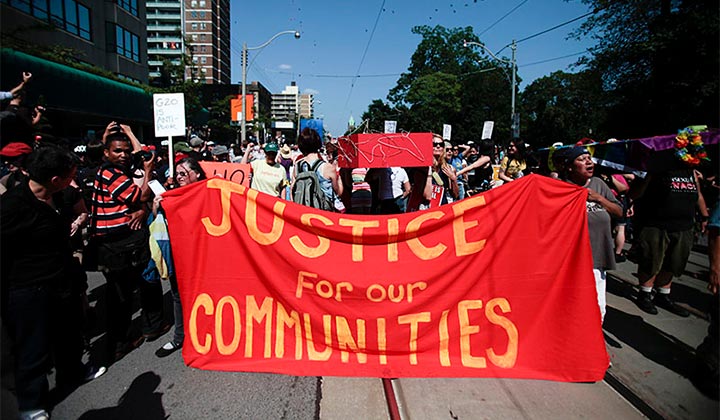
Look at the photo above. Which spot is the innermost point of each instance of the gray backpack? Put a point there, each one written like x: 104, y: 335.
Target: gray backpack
x: 306, y: 190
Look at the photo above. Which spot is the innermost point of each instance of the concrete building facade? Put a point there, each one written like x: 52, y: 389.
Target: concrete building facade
x: 207, y: 32
x: 107, y: 34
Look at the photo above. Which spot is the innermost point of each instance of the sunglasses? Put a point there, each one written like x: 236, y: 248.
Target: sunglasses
x: 438, y: 144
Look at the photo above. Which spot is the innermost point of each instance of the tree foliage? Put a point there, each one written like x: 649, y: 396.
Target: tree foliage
x: 659, y: 63
x: 563, y: 107
x: 448, y: 83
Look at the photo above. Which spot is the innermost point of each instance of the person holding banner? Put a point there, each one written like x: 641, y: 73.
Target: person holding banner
x: 268, y: 175
x: 601, y: 205
x: 187, y: 171
x: 121, y: 235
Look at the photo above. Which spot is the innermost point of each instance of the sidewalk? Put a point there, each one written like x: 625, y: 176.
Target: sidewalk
x: 652, y: 357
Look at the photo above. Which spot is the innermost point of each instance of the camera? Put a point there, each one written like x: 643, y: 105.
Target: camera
x: 140, y: 157
x: 116, y: 128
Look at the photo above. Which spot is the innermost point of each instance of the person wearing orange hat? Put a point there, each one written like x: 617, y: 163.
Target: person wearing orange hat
x: 13, y: 158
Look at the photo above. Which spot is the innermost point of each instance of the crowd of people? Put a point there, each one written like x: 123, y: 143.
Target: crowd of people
x: 65, y: 212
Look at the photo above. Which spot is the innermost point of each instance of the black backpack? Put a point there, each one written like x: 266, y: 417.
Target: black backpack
x: 306, y: 190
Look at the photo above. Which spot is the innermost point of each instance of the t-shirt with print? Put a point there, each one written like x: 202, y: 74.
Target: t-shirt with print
x: 669, y: 201
x: 269, y: 179
x: 599, y: 228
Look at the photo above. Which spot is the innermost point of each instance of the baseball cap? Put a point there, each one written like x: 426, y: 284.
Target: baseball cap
x: 15, y: 149
x: 195, y: 141
x: 271, y: 147
x: 220, y: 150
x: 181, y: 146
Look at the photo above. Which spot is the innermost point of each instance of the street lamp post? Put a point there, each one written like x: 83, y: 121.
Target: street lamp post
x: 513, y: 65
x: 245, y: 49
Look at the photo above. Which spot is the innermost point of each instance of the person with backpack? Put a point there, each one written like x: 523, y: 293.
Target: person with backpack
x: 315, y: 182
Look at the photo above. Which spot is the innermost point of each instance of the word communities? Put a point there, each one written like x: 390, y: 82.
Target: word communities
x: 471, y: 333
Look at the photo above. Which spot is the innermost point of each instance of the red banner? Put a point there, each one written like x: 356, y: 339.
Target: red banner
x: 496, y: 285
x: 235, y: 172
x: 385, y: 150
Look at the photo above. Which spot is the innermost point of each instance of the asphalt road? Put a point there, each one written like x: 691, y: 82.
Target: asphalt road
x: 143, y: 386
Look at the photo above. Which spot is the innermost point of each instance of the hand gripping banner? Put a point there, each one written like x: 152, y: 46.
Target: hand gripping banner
x: 496, y: 285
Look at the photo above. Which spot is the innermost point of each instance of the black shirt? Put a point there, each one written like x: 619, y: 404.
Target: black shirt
x: 35, y: 246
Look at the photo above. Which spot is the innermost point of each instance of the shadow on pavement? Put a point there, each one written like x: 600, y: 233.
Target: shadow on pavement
x: 139, y: 402
x: 651, y: 342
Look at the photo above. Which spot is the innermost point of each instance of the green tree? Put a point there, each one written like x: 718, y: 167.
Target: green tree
x: 379, y: 111
x: 563, y: 107
x: 433, y: 98
x: 448, y: 83
x: 659, y: 63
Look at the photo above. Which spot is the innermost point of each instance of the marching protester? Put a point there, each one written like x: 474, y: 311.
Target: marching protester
x: 441, y: 175
x: 665, y: 203
x: 39, y: 302
x: 400, y: 187
x: 268, y: 175
x: 14, y: 155
x: 601, y: 205
x: 513, y: 165
x: 187, y: 171
x: 481, y: 168
x: 122, y: 239
x: 311, y: 170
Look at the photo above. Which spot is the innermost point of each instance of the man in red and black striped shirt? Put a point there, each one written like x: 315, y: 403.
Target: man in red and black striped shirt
x: 119, y: 211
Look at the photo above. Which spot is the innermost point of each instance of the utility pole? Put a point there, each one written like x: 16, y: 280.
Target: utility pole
x: 514, y: 118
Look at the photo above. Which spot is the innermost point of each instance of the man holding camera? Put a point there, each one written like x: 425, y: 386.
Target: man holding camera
x: 119, y: 213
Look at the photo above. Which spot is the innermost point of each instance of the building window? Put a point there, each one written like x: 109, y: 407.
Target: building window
x: 203, y: 60
x: 129, y: 5
x: 64, y: 14
x: 127, y: 43
x: 194, y: 26
x: 202, y: 3
x: 193, y: 14
x: 193, y: 3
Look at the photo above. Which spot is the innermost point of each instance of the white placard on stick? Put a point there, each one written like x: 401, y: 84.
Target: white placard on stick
x: 487, y: 130
x: 390, y: 126
x: 447, y: 131
x: 169, y: 110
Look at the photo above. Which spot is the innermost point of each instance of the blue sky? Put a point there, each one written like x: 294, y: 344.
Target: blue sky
x: 335, y: 34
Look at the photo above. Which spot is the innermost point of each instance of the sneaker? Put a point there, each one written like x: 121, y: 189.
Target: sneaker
x: 152, y: 336
x: 34, y: 415
x: 93, y: 372
x: 644, y: 301
x: 666, y: 303
x: 169, y: 348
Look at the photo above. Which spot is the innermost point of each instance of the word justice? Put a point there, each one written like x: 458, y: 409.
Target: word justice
x: 358, y: 228
x: 219, y: 325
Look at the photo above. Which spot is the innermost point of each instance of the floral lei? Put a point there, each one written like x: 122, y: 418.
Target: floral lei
x: 689, y: 147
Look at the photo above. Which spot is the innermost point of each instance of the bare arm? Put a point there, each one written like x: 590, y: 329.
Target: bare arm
x: 247, y: 153
x: 329, y: 172
x: 135, y: 142
x: 26, y: 76
x: 478, y: 163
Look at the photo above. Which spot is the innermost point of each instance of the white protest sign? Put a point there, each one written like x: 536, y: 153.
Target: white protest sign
x: 169, y: 110
x: 447, y: 129
x: 487, y: 130
x: 390, y: 126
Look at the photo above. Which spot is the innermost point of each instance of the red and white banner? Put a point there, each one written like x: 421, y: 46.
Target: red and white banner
x: 496, y: 285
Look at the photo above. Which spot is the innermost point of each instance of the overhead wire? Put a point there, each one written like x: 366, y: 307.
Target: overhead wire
x: 553, y: 28
x: 553, y: 59
x: 367, y: 46
x: 503, y: 17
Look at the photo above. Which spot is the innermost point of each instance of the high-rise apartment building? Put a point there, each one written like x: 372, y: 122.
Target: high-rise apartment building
x: 164, y: 34
x: 200, y: 29
x: 207, y: 32
x: 285, y: 105
x: 307, y: 104
x: 107, y: 34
